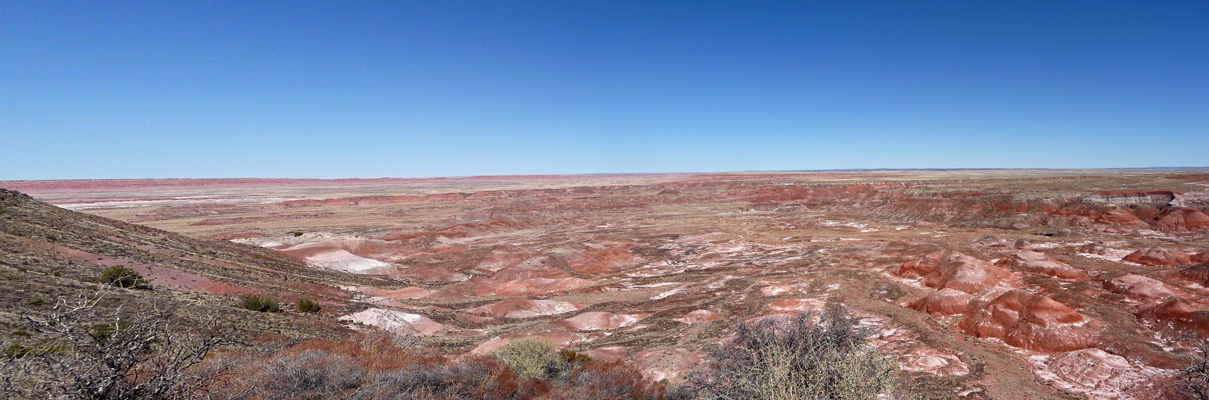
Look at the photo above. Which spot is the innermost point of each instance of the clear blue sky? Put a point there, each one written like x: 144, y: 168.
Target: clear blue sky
x: 94, y: 89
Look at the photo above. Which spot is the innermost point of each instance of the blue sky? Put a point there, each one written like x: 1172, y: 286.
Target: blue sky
x: 158, y: 89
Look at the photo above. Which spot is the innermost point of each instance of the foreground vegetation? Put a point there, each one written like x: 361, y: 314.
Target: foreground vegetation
x: 143, y: 356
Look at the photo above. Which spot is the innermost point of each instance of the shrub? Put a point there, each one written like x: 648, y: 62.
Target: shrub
x: 259, y: 303
x: 1193, y: 380
x: 608, y: 380
x: 796, y: 358
x: 138, y: 358
x: 532, y: 358
x: 308, y: 305
x: 123, y: 277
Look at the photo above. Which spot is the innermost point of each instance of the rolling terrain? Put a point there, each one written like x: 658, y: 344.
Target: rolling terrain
x: 1014, y: 284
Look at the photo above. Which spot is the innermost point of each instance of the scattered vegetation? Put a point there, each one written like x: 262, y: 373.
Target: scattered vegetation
x: 123, y: 277
x: 136, y: 356
x: 259, y: 303
x: 796, y: 358
x: 307, y: 305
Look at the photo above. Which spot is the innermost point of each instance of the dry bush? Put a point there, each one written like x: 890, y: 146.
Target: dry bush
x: 533, y: 358
x: 597, y: 380
x: 796, y: 358
x: 131, y: 356
x: 376, y: 367
x: 1193, y: 380
x: 258, y: 303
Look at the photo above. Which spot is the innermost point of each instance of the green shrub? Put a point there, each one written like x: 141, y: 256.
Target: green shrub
x: 123, y: 277
x: 308, y: 305
x: 16, y: 350
x: 533, y: 358
x: 259, y: 303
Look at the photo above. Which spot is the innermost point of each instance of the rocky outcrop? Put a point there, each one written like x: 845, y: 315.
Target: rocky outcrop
x: 1040, y: 263
x: 1135, y: 197
x: 1030, y: 321
x: 1158, y: 256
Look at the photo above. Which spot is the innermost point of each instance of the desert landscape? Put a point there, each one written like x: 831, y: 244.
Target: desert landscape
x: 996, y: 284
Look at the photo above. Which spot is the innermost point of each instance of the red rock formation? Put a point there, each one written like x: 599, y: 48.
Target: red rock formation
x: 1158, y: 256
x: 1030, y: 321
x: 1107, y: 217
x: 1140, y: 288
x: 943, y: 302
x: 1176, y: 316
x: 598, y: 259
x: 1040, y: 263
x: 1201, y: 257
x: 920, y: 267
x: 957, y: 271
x: 1182, y: 219
x: 1197, y: 273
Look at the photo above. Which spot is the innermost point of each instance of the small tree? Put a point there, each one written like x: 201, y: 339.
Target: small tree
x: 123, y: 277
x: 308, y: 305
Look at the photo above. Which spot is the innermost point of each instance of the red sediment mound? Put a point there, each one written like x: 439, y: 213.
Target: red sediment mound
x: 600, y: 259
x: 1040, y: 263
x: 1197, y: 273
x: 698, y: 316
x: 1158, y: 256
x: 1139, y: 287
x: 1030, y: 321
x: 1182, y: 219
x: 943, y: 302
x: 1177, y: 316
x: 968, y: 274
x: 1107, y: 217
x: 920, y: 267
